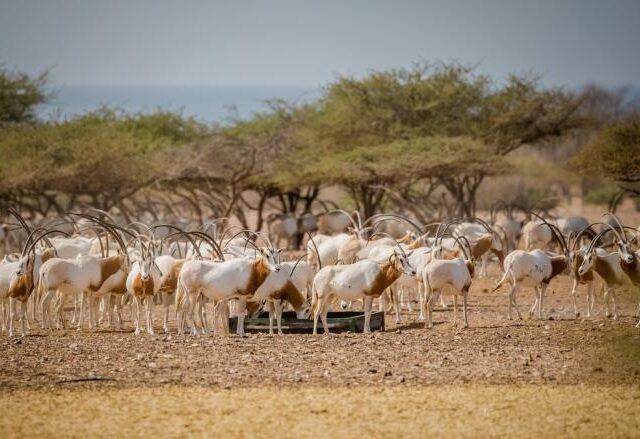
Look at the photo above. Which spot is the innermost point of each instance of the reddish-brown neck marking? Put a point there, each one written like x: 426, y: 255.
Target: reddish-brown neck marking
x: 604, y: 269
x: 632, y: 270
x: 482, y: 245
x: 171, y: 281
x: 387, y: 275
x: 471, y: 266
x: 558, y: 265
x: 290, y: 294
x: 259, y: 272
x: 141, y: 287
x: 109, y: 266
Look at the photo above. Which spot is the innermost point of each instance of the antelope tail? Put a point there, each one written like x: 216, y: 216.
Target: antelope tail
x: 314, y: 301
x: 502, y: 281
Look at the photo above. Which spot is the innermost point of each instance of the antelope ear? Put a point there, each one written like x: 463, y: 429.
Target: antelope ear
x: 279, y: 250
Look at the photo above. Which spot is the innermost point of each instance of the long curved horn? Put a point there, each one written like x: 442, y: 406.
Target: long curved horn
x: 24, y: 224
x: 344, y: 212
x: 42, y: 237
x: 483, y: 223
x: 389, y: 216
x: 593, y: 243
x: 241, y: 232
x: 316, y: 249
x: 395, y: 240
x: 466, y: 251
x: 20, y: 219
x: 211, y: 241
x: 98, y: 236
x: 110, y: 229
x: 189, y: 238
x: 105, y: 213
x: 556, y: 233
x: 496, y: 207
x: 615, y: 218
x: 296, y: 265
x: 446, y: 227
x: 359, y: 218
x: 576, y: 239
x: 224, y: 233
x: 30, y: 238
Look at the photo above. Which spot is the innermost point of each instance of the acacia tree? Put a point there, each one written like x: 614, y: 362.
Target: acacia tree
x: 19, y: 95
x: 459, y: 124
x: 100, y: 159
x: 614, y: 155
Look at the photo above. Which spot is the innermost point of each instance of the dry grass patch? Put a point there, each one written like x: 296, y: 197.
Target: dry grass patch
x: 466, y: 410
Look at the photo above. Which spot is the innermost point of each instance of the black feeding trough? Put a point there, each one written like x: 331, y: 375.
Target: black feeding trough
x: 338, y: 321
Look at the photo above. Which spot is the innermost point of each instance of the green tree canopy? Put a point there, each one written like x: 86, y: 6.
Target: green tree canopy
x: 19, y: 95
x: 614, y: 155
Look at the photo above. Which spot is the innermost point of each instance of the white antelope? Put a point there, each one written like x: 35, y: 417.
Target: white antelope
x: 143, y: 283
x: 19, y: 278
x: 289, y: 284
x: 453, y: 276
x: 535, y: 268
x: 64, y: 277
x: 483, y: 240
x: 363, y: 280
x: 220, y: 282
x: 616, y: 268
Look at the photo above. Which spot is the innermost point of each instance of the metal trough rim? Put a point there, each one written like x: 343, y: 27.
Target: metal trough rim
x: 335, y: 320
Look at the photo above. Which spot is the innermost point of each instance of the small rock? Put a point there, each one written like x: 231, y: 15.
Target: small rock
x: 152, y: 365
x: 551, y: 318
x: 401, y: 380
x: 73, y: 345
x: 17, y: 341
x: 598, y: 369
x: 388, y: 373
x: 373, y: 370
x: 547, y: 327
x: 139, y: 357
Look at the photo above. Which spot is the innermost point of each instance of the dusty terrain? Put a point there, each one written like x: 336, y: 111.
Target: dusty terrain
x: 384, y: 382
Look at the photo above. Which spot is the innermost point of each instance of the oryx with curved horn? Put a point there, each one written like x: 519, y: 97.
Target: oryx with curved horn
x: 535, y: 267
x: 88, y: 273
x: 364, y: 279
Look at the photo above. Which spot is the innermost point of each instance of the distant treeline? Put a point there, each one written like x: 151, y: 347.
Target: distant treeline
x: 420, y: 140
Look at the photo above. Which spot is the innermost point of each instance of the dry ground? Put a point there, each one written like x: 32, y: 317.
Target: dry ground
x: 559, y: 376
x: 319, y: 411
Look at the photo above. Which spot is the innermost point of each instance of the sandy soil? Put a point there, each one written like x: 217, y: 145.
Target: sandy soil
x: 575, y: 375
x: 467, y: 411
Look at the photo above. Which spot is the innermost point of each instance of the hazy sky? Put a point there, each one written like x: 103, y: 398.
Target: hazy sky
x: 306, y: 43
